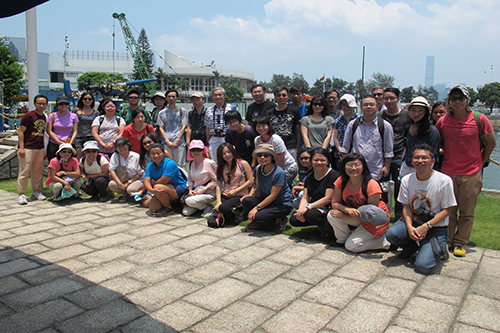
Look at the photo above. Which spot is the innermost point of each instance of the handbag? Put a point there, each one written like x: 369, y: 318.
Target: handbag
x: 121, y: 172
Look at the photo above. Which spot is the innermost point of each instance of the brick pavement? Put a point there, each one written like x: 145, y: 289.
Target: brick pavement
x: 109, y: 267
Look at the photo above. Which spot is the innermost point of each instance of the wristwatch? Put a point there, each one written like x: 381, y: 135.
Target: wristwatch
x: 429, y: 225
x: 308, y: 206
x: 258, y: 207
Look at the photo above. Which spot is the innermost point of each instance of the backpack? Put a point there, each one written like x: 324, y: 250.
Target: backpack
x: 216, y: 220
x: 381, y: 130
x: 482, y: 141
x: 384, y: 197
x: 99, y: 158
x: 101, y: 120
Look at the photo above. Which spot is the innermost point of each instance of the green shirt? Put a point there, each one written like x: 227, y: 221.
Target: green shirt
x: 127, y: 115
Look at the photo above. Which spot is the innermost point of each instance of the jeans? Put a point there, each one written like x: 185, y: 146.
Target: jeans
x: 394, y: 172
x: 268, y: 214
x: 426, y: 259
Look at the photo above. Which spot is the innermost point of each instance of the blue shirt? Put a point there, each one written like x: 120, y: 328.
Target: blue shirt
x: 167, y: 168
x: 276, y: 178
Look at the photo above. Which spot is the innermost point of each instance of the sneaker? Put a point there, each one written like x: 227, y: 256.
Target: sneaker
x: 281, y: 224
x: 166, y: 212
x: 207, y: 211
x: 103, y: 199
x: 38, y: 196
x: 406, y: 254
x: 252, y: 227
x: 188, y: 211
x: 123, y: 199
x: 459, y: 251
x: 22, y: 199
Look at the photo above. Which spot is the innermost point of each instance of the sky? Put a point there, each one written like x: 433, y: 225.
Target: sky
x: 309, y: 37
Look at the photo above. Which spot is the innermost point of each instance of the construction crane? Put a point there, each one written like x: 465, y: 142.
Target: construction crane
x: 135, y: 52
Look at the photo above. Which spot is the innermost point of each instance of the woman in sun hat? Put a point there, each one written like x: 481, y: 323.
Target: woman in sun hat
x: 94, y: 168
x: 64, y: 173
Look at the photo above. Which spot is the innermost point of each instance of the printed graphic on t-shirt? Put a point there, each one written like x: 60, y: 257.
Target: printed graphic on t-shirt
x: 420, y: 204
x: 38, y: 127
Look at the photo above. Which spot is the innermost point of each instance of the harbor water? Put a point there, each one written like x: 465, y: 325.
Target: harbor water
x: 491, y: 175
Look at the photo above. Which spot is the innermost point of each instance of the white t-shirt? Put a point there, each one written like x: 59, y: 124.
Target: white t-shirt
x: 279, y: 147
x: 434, y: 194
x: 131, y: 164
x: 95, y: 168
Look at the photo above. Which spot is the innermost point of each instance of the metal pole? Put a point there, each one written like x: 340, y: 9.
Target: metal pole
x: 363, y: 67
x: 32, y: 63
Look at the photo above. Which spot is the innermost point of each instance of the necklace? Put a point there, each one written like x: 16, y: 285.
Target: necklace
x: 327, y: 171
x: 267, y: 174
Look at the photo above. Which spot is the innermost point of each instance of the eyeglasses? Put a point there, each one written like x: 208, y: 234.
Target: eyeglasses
x: 304, y: 158
x: 146, y: 143
x: 368, y: 104
x: 88, y: 99
x: 281, y: 95
x: 377, y: 94
x: 317, y: 104
x: 438, y: 112
x: 263, y: 155
x: 66, y: 151
x: 229, y: 176
x: 133, y: 97
x: 41, y: 104
x: 63, y: 104
x: 91, y: 151
x: 353, y: 165
x: 457, y: 98
x: 196, y: 150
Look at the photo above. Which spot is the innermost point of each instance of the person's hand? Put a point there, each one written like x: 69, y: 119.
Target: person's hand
x: 353, y: 212
x: 191, y: 193
x: 231, y: 193
x: 384, y: 172
x: 243, y: 197
x: 252, y: 213
x: 336, y: 213
x: 60, y: 173
x: 67, y: 187
x: 300, y: 214
x: 109, y: 145
x: 122, y: 187
x: 200, y: 191
x: 175, y: 144
x: 414, y: 234
x: 22, y: 152
x: 422, y: 230
x: 217, y: 206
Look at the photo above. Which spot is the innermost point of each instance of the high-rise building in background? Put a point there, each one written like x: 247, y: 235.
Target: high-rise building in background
x: 429, y: 72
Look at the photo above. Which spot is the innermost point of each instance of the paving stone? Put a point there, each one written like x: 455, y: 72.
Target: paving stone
x: 202, y: 255
x: 293, y: 255
x: 65, y: 253
x: 147, y: 324
x: 247, y: 256
x: 103, y: 319
x: 225, y: 232
x: 334, y: 291
x: 278, y: 293
x: 16, y: 266
x: 11, y: 211
x: 311, y: 271
x: 109, y: 241
x: 39, y: 317
x: 46, y: 218
x: 492, y: 253
x: 238, y: 317
x: 209, y: 273
x: 123, y: 285
x: 33, y: 249
x: 404, y: 271
x: 443, y: 289
x: 152, y: 274
x: 73, y: 229
x: 363, y: 316
x: 486, y: 285
x: 153, y: 256
x: 77, y: 218
x: 29, y: 229
x: 26, y: 239
x: 462, y: 328
x: 9, y: 254
x: 5, y: 234
x: 238, y: 241
x: 44, y: 274
x: 180, y: 315
x: 489, y: 266
x: 360, y: 269
x: 59, y: 210
x: 261, y: 272
x: 113, y: 229
x: 11, y: 224
x: 397, y: 329
x: 188, y: 230
x: 107, y: 271
x: 11, y: 284
x: 277, y: 242
x: 424, y: 315
x: 163, y: 293
x: 195, y: 241
x: 15, y: 217
x: 63, y: 241
x: 74, y: 265
x: 152, y: 241
x: 220, y: 294
x: 49, y: 330
x: 152, y: 229
x: 27, y: 298
x: 460, y: 269
x: 92, y: 297
x: 480, y: 311
x: 4, y: 311
x: 388, y: 290
x: 114, y: 211
x: 113, y: 220
x: 300, y: 316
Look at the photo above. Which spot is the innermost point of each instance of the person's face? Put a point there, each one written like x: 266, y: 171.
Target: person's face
x: 458, y: 101
x: 40, y: 104
x: 345, y: 107
x: 171, y: 98
x: 319, y: 162
x: 122, y: 149
x: 259, y: 95
x: 354, y: 168
x: 264, y: 159
x: 91, y: 153
x: 262, y: 129
x: 87, y: 100
x: 139, y: 119
x: 234, y: 124
x: 63, y: 106
x: 218, y: 97
x: 379, y: 95
x: 281, y: 97
x: 110, y: 107
x: 297, y: 97
x: 422, y: 160
x: 332, y: 99
x: 66, y: 153
x: 197, y: 102
x: 369, y: 106
x: 305, y: 160
x: 317, y: 107
x: 133, y: 99
x: 196, y: 152
x: 417, y: 112
x: 391, y: 100
x: 159, y: 101
x: 438, y: 112
x: 156, y: 155
x: 227, y: 155
x: 147, y: 142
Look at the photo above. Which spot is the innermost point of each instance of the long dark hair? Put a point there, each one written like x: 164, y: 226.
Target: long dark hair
x: 142, y: 157
x: 317, y: 99
x: 366, y: 171
x: 80, y: 101
x: 221, y: 163
x: 423, y: 124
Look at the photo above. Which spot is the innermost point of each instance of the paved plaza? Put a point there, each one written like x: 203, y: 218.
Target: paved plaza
x: 110, y: 267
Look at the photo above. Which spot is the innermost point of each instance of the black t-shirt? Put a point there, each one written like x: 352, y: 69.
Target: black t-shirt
x: 243, y: 142
x: 255, y: 110
x: 285, y: 124
x: 197, y: 123
x: 400, y: 124
x: 316, y: 189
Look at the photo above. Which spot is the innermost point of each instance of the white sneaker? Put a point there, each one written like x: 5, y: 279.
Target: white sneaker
x: 188, y: 211
x: 38, y: 196
x: 22, y: 199
x: 207, y: 211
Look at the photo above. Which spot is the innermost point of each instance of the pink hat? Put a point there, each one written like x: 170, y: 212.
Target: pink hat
x: 197, y: 144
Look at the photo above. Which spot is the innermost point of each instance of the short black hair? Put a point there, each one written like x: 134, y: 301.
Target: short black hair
x: 280, y: 88
x: 172, y: 90
x: 231, y: 115
x: 296, y: 88
x: 40, y: 96
x: 392, y: 90
x: 256, y: 86
x: 424, y: 146
x: 265, y: 121
x: 329, y: 91
x: 375, y: 88
x: 134, y: 91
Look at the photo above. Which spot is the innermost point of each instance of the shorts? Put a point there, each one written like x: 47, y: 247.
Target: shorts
x: 180, y: 189
x: 79, y: 141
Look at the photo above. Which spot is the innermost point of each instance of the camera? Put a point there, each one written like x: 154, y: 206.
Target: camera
x: 424, y: 215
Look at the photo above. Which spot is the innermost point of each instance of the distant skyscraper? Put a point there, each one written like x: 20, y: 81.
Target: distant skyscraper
x: 429, y: 72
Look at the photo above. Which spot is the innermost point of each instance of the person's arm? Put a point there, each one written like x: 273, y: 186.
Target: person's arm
x: 326, y: 142
x: 56, y: 177
x: 121, y: 128
x: 388, y: 148
x: 104, y: 173
x: 114, y: 176
x: 341, y: 211
x: 218, y: 195
x: 147, y: 184
x: 336, y: 140
x: 299, y: 137
x: 305, y: 137
x: 249, y: 180
x: 302, y: 206
x: 75, y: 173
x: 179, y: 137
x: 97, y: 137
x: 20, y: 136
x: 387, y: 166
x: 281, y: 160
x: 52, y: 134
x: 207, y: 132
x: 75, y: 132
x: 325, y: 200
x: 164, y: 135
x: 490, y: 145
x: 188, y: 135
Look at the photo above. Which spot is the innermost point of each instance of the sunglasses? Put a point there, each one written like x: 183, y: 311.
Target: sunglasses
x: 263, y: 155
x: 87, y: 99
x: 317, y: 104
x: 196, y: 150
x: 65, y: 152
x: 91, y: 151
x: 63, y: 104
x: 133, y: 97
x: 457, y: 98
x: 281, y: 95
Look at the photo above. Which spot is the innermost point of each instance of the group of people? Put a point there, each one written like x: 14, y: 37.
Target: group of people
x: 249, y: 169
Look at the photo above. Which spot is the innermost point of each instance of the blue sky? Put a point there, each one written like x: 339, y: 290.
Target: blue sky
x: 311, y: 37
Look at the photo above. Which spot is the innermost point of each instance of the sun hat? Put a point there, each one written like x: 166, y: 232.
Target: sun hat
x: 197, y: 144
x: 351, y: 101
x: 419, y: 100
x: 66, y: 146
x: 197, y: 94
x: 373, y: 215
x: 158, y: 94
x: 90, y: 145
x: 267, y: 149
x: 463, y: 90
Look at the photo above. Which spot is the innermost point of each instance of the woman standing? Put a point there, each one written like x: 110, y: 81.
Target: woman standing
x: 62, y: 126
x: 134, y: 132
x: 272, y: 201
x: 317, y: 125
x: 94, y: 169
x: 353, y: 189
x: 107, y: 127
x: 64, y: 172
x: 86, y: 115
x: 201, y: 181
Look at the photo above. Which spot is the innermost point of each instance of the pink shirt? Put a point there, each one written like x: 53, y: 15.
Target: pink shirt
x: 236, y: 180
x: 462, y: 151
x: 206, y: 172
x: 54, y: 164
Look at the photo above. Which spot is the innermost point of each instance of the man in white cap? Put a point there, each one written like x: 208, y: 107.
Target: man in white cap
x: 347, y: 104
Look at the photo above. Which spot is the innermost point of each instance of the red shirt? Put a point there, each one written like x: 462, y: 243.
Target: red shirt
x: 35, y: 128
x: 135, y: 137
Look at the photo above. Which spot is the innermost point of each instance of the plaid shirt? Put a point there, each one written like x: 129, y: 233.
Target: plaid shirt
x: 216, y: 121
x: 341, y: 125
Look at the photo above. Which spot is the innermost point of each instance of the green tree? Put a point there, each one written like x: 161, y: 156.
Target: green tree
x: 490, y: 95
x: 146, y: 52
x: 280, y: 80
x: 299, y: 80
x: 342, y: 86
x: 11, y: 74
x: 407, y: 94
x: 359, y: 89
x: 96, y: 78
x: 430, y: 94
x: 233, y: 94
x: 380, y: 80
x: 473, y: 96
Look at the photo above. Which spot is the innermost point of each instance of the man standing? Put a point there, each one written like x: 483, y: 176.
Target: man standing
x: 286, y: 121
x: 400, y: 121
x: 196, y: 129
x: 297, y: 95
x: 241, y: 136
x: 464, y: 158
x: 260, y: 106
x: 31, y: 151
x: 172, y: 122
x: 378, y: 93
x: 214, y: 120
x: 370, y: 138
x: 427, y: 198
x: 332, y: 97
x: 133, y: 101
